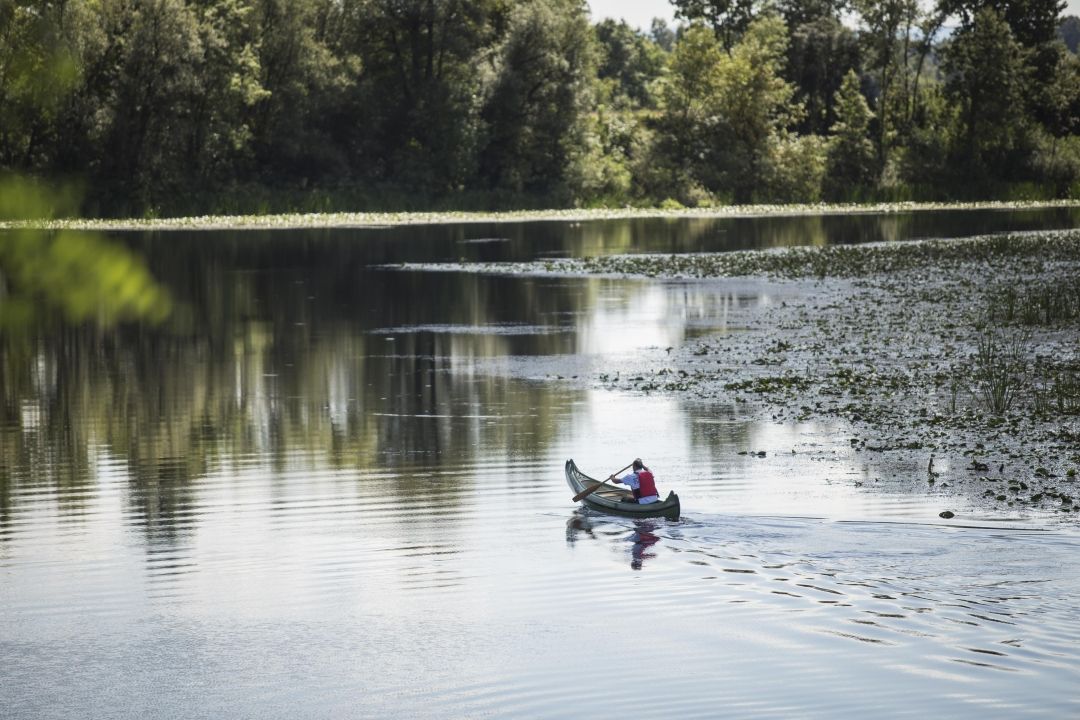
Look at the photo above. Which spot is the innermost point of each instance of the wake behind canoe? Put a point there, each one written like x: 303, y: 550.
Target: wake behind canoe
x: 617, y: 500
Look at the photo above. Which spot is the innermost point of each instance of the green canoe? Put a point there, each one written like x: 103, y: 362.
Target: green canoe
x: 615, y: 500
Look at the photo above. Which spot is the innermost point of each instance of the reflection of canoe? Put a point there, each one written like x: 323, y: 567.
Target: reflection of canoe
x: 611, y: 499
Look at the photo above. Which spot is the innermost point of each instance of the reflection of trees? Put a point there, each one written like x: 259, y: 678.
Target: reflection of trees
x: 66, y: 289
x: 684, y: 235
x: 526, y: 241
x: 281, y: 359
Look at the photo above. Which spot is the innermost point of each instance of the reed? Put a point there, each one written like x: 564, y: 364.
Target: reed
x: 999, y: 365
x: 1038, y: 305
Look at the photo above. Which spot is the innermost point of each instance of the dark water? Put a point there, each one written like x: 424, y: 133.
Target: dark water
x: 326, y: 488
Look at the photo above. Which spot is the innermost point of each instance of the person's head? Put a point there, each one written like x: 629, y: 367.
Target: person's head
x: 638, y: 465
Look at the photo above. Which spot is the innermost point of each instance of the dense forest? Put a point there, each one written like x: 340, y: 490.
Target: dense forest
x: 157, y: 107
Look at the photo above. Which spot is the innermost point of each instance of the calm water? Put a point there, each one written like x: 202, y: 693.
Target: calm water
x: 327, y: 488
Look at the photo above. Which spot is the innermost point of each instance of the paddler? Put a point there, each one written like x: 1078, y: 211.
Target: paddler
x: 641, y: 482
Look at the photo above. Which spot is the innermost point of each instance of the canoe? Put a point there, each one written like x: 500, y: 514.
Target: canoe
x: 610, y: 498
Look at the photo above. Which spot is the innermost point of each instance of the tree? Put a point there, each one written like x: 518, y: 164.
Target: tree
x: 1069, y: 32
x: 884, y: 20
x: 161, y: 111
x: 729, y: 19
x: 1034, y: 25
x: 299, y: 128
x: 219, y: 130
x: 801, y: 12
x: 662, y: 35
x: 985, y: 79
x: 37, y: 74
x: 821, y: 52
x: 929, y: 27
x: 1032, y: 22
x: 534, y: 106
x: 628, y: 58
x: 723, y: 114
x: 1061, y: 110
x: 411, y: 118
x: 851, y: 157
x: 145, y: 74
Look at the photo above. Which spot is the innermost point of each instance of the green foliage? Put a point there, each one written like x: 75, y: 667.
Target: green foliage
x: 985, y: 82
x: 724, y: 114
x: 1032, y: 22
x: 925, y: 155
x: 662, y: 35
x: 534, y: 110
x: 729, y: 19
x: 1057, y: 97
x: 411, y: 117
x: 851, y: 158
x: 797, y: 169
x: 888, y: 26
x: 37, y: 73
x: 821, y: 52
x: 81, y: 275
x: 305, y: 69
x: 163, y: 107
x: 631, y: 60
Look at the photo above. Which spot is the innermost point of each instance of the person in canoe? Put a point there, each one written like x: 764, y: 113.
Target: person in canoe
x: 641, y: 483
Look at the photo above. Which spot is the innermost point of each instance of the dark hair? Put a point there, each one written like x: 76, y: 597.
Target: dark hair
x: 638, y: 465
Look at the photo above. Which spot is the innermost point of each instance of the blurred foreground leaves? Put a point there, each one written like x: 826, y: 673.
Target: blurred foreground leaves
x: 81, y: 277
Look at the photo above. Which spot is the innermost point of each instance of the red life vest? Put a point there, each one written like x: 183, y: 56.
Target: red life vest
x: 646, y: 485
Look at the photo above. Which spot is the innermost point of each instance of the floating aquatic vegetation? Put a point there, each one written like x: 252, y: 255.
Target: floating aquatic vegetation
x: 879, y: 261
x: 773, y: 384
x: 382, y: 219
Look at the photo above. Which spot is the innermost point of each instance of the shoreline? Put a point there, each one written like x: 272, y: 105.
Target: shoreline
x: 296, y: 221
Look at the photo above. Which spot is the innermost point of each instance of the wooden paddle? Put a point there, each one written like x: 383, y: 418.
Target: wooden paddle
x: 596, y: 487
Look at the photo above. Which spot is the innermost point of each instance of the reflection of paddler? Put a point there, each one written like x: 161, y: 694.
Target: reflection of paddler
x: 641, y: 483
x: 643, y: 539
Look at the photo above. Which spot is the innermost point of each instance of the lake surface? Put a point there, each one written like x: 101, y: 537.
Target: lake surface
x: 329, y: 487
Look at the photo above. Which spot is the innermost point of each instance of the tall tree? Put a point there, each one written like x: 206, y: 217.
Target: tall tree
x: 416, y: 103
x: 663, y: 35
x: 145, y: 75
x: 729, y: 19
x: 161, y: 111
x: 299, y: 128
x: 1034, y: 25
x: 1060, y: 103
x: 821, y: 52
x: 985, y: 80
x: 724, y: 114
x: 534, y: 106
x: 1032, y: 22
x: 887, y: 26
x: 37, y: 73
x: 629, y: 59
x: 850, y: 164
